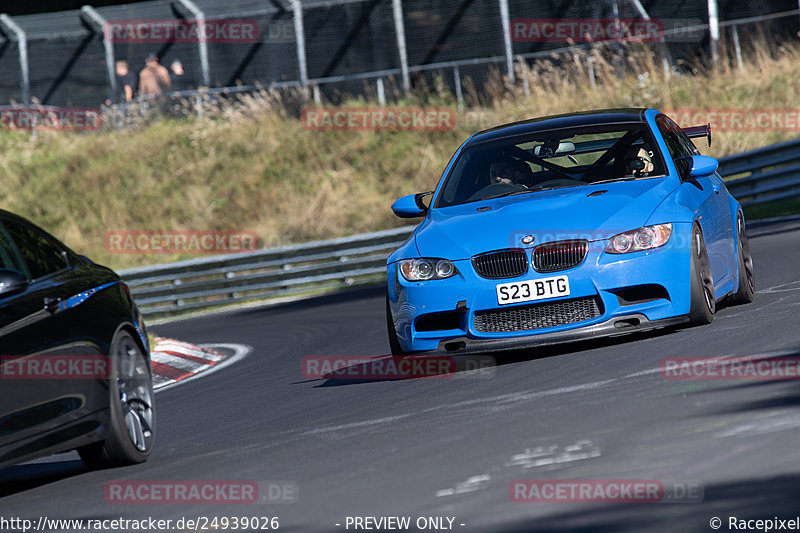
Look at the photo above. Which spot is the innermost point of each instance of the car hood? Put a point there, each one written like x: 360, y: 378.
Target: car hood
x: 584, y: 212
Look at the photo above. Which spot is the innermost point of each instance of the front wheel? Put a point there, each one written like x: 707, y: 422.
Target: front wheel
x: 394, y: 343
x: 703, y: 304
x: 132, y: 409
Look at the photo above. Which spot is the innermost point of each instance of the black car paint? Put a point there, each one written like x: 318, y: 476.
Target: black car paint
x: 74, y: 312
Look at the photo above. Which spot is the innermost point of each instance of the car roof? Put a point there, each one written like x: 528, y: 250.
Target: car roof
x: 568, y: 120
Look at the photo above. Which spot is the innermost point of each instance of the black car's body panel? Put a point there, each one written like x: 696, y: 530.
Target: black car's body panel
x: 74, y: 311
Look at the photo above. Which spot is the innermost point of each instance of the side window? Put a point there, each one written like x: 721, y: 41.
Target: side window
x: 40, y: 253
x: 9, y: 256
x: 676, y: 140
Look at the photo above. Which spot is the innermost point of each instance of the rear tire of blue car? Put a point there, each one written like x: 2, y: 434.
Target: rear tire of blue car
x: 394, y: 343
x: 703, y: 304
x: 746, y: 290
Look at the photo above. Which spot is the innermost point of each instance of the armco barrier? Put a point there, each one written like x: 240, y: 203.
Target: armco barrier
x: 762, y: 175
x: 308, y: 268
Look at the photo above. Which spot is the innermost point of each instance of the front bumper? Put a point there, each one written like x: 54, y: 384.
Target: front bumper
x: 623, y: 325
x: 606, y: 278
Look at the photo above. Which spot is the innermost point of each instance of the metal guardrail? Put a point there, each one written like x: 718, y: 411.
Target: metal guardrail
x: 757, y: 176
x: 308, y: 268
x: 763, y: 175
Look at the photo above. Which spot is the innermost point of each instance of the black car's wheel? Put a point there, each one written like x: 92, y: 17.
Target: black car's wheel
x: 394, y: 343
x: 703, y: 304
x: 746, y: 290
x: 132, y: 409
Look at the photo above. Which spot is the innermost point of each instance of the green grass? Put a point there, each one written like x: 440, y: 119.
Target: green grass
x: 251, y: 167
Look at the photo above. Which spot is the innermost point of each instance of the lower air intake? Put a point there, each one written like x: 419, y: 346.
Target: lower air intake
x: 537, y: 316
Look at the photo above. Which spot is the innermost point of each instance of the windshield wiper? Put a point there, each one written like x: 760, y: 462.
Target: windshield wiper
x: 512, y: 193
x: 627, y: 178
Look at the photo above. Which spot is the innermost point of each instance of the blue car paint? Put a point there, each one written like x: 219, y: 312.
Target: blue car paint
x: 459, y: 232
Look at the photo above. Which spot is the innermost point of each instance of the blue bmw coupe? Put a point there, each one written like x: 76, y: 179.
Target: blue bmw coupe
x: 565, y: 228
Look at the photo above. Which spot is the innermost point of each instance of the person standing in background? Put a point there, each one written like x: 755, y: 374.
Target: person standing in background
x: 180, y: 81
x: 126, y: 82
x: 153, y: 78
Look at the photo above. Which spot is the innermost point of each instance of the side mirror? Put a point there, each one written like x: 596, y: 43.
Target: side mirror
x: 702, y: 166
x: 411, y: 206
x: 11, y: 282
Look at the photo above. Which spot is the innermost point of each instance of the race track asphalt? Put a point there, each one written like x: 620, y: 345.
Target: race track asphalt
x: 452, y: 447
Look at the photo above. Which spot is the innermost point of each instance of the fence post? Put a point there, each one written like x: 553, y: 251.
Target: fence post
x: 95, y: 19
x: 400, y: 32
x: 300, y: 40
x: 381, y: 91
x: 506, y: 23
x: 737, y: 47
x: 22, y: 44
x: 202, y: 45
x: 666, y: 59
x: 713, y: 28
x: 459, y: 96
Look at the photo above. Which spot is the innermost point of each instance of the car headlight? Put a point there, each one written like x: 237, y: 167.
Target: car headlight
x: 425, y: 269
x: 645, y: 238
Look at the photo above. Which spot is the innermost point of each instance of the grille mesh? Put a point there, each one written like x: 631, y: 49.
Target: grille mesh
x: 501, y: 264
x: 555, y: 256
x: 537, y: 316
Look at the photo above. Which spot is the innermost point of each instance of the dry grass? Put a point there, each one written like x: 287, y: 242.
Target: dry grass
x: 250, y: 165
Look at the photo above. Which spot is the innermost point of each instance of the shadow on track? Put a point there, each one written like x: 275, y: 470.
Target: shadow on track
x: 355, y: 370
x: 24, y: 477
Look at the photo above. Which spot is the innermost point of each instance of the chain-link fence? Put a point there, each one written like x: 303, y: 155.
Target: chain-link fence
x: 339, y: 48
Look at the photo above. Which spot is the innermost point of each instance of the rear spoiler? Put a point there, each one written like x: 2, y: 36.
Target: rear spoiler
x: 699, y: 131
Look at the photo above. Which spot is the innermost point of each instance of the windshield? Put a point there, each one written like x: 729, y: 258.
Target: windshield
x: 550, y: 160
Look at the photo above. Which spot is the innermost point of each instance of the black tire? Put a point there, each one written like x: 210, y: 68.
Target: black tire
x: 745, y: 292
x: 394, y: 343
x: 703, y: 304
x: 132, y: 409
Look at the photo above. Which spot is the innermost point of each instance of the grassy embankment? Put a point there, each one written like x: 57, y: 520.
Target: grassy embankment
x: 253, y: 168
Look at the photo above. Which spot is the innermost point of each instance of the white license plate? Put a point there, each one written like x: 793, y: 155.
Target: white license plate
x: 535, y: 289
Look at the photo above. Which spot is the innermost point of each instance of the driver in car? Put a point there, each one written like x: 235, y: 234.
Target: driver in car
x: 638, y: 161
x: 510, y: 171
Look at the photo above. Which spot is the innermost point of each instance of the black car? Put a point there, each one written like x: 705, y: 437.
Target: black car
x: 75, y: 372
